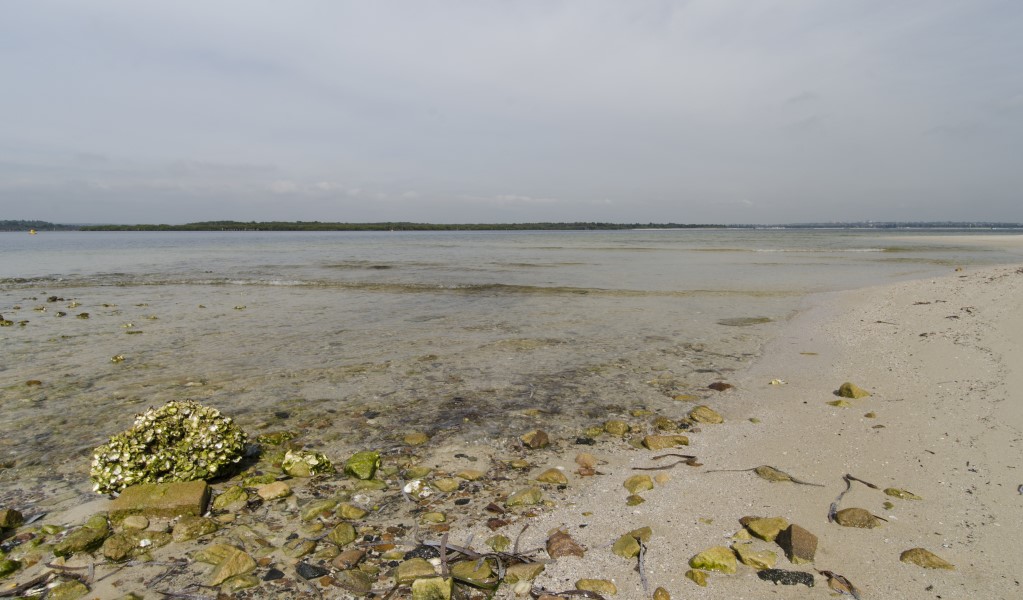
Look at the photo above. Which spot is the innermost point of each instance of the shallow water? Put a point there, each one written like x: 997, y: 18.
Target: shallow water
x: 354, y: 339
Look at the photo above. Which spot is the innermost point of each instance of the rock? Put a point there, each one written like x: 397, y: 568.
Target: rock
x: 445, y: 484
x: 523, y: 572
x: 799, y: 545
x: 235, y: 562
x: 470, y: 474
x: 355, y: 581
x: 10, y: 518
x: 135, y: 522
x: 525, y: 497
x: 433, y: 588
x: 351, y: 512
x: 664, y: 424
x: 298, y: 463
x: 600, y: 586
x: 318, y: 508
x: 498, y: 543
x: 309, y: 571
x: 626, y: 547
x: 759, y: 560
x: 638, y: 483
x: 561, y: 544
x: 840, y: 404
x: 634, y: 500
x: 851, y: 390
x: 67, y: 590
x: 214, y: 554
x: 433, y: 517
x: 363, y: 465
x: 856, y: 517
x: 179, y: 441
x: 553, y: 476
x: 783, y: 577
x: 132, y: 542
x: 720, y: 386
x: 474, y: 572
x: 8, y: 566
x: 697, y: 577
x: 299, y: 547
x: 661, y: 594
x: 717, y: 558
x: 412, y: 569
x: 342, y: 535
x: 416, y: 438
x: 239, y: 583
x: 536, y: 439
x: 616, y: 427
x: 86, y: 538
x: 902, y: 494
x: 274, y: 491
x: 705, y: 414
x: 771, y: 474
x: 348, y: 559
x: 925, y: 558
x: 766, y: 529
x: 189, y: 528
x: 161, y: 500
x: 663, y: 442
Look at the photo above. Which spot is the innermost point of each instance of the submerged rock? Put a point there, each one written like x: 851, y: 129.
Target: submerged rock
x: 525, y: 497
x: 299, y: 463
x: 433, y: 588
x: 235, y: 562
x: 363, y: 465
x: 162, y: 500
x: 536, y: 439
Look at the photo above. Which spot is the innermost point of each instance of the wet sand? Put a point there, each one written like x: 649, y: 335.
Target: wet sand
x: 942, y: 361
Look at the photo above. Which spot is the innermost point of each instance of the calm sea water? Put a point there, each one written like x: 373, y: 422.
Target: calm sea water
x: 354, y: 339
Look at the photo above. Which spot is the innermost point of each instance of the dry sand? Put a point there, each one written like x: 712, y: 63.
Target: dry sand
x: 942, y: 359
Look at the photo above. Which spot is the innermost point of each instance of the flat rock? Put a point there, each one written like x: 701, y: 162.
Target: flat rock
x: 600, y: 586
x: 718, y: 558
x: 765, y: 528
x: 757, y: 559
x: 783, y: 577
x: 925, y: 558
x: 355, y: 581
x: 473, y: 572
x: 189, y: 528
x: 232, y: 499
x: 342, y: 534
x: 413, y: 569
x: 706, y: 415
x: 857, y: 517
x: 432, y: 588
x: 235, y: 562
x: 553, y: 476
x: 800, y: 545
x: 525, y: 497
x: 663, y: 442
x: 523, y: 572
x: 81, y: 539
x: 274, y: 491
x: 161, y: 500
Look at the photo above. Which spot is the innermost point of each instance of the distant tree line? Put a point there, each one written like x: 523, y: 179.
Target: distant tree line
x: 37, y: 225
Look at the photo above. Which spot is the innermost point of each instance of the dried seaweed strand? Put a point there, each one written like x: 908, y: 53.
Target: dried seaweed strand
x: 515, y: 548
x: 16, y: 591
x: 833, y: 509
x: 444, y: 555
x: 641, y: 569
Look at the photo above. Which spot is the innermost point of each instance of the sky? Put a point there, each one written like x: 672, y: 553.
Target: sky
x: 701, y: 111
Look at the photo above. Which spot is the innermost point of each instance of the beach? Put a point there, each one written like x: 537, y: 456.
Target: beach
x: 943, y: 421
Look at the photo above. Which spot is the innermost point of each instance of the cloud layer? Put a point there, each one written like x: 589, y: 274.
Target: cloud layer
x: 702, y: 111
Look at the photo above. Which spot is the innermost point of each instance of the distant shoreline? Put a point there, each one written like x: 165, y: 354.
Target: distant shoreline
x: 23, y: 225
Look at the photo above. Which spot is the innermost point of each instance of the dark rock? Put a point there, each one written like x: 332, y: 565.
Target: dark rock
x: 585, y: 441
x: 799, y: 545
x: 424, y: 551
x: 786, y: 577
x: 273, y: 574
x: 308, y: 571
x: 720, y: 386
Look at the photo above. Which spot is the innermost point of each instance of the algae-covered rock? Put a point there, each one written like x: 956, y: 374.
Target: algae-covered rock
x: 351, y: 512
x: 301, y: 463
x: 191, y: 527
x: 162, y: 500
x: 902, y: 494
x: 638, y: 483
x: 857, y: 517
x: 554, y: 476
x: 355, y: 581
x: 664, y: 442
x: 239, y: 583
x: 600, y: 586
x: 235, y: 562
x: 474, y: 572
x: 758, y: 559
x: 706, y: 415
x: 771, y: 474
x: 67, y: 590
x: 318, y: 508
x: 661, y: 594
x: 800, y: 545
x: 925, y: 558
x: 10, y: 518
x: 180, y: 441
x: 412, y: 569
x: 130, y: 543
x: 433, y: 588
x: 766, y: 529
x: 498, y: 543
x: 523, y: 572
x: 416, y: 438
x: 234, y: 498
x: 342, y: 534
x: 851, y: 390
x: 363, y: 465
x: 718, y: 558
x: 626, y: 547
x: 8, y: 566
x: 86, y: 538
x: 616, y: 427
x: 525, y: 497
x: 697, y: 577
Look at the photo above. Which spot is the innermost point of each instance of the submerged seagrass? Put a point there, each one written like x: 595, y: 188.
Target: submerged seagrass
x: 180, y: 441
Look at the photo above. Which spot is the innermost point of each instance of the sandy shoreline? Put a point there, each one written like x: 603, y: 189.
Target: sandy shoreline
x: 942, y: 363
x: 943, y: 367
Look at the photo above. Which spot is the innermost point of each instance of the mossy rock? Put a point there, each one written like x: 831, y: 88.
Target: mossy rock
x: 851, y: 390
x: 363, y: 465
x: 718, y: 558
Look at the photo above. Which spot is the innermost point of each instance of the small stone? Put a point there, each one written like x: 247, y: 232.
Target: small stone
x: 236, y: 562
x: 412, y: 569
x: 67, y: 590
x: 783, y: 577
x: 600, y: 586
x: 634, y: 500
x: 720, y: 386
x: 759, y: 560
x: 525, y: 497
x: 925, y: 558
x: 857, y: 517
x: 307, y: 571
x: 82, y: 539
x: 536, y: 439
x: 274, y: 491
x: 473, y: 572
x: 348, y: 559
x: 416, y: 438
x: 523, y: 572
x: 351, y: 512
x: 433, y: 588
x: 553, y: 476
x: 135, y: 522
x: 663, y: 442
x: 661, y: 594
x: 342, y: 535
x: 662, y: 478
x: 561, y: 544
x: 638, y: 483
x: 10, y: 518
x: 299, y: 547
x: 161, y: 500
x: 498, y: 543
x: 445, y: 484
x: 717, y: 558
x: 902, y: 494
x: 706, y: 415
x: 626, y: 547
x: 851, y: 390
x: 616, y: 427
x: 355, y: 581
x: 840, y: 403
x: 433, y: 517
x: 363, y: 465
x: 664, y: 424
x: 318, y: 508
x: 799, y: 545
x: 870, y: 415
x: 766, y: 529
x: 214, y: 554
x: 470, y: 474
x: 189, y: 528
x: 697, y: 577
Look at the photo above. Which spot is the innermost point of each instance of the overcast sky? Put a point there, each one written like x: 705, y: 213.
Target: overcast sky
x: 706, y: 111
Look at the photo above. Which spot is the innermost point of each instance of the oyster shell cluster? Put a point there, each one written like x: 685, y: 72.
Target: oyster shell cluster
x: 179, y: 441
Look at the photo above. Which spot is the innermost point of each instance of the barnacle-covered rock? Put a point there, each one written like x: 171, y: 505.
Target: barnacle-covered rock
x: 180, y: 441
x: 300, y: 463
